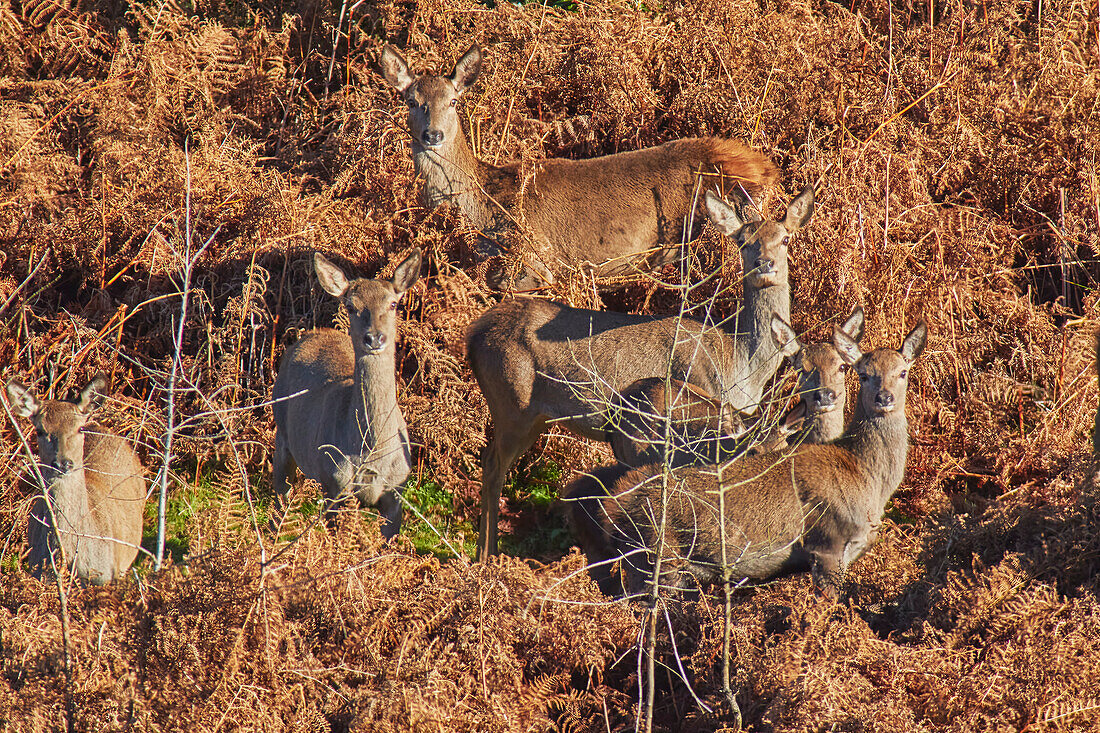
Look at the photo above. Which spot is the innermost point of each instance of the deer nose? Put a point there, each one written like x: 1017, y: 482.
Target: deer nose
x: 64, y: 465
x: 826, y: 399
x: 884, y: 401
x: 433, y: 137
x: 765, y: 265
x: 374, y: 341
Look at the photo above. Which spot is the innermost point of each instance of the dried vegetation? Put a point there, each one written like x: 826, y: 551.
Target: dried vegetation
x: 958, y: 143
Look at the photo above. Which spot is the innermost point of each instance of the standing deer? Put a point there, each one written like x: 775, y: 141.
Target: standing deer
x: 347, y: 432
x: 814, y: 508
x: 611, y: 214
x: 537, y: 361
x: 702, y: 430
x: 94, y: 498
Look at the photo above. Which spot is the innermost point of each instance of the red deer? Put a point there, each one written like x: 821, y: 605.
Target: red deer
x: 703, y: 430
x: 815, y: 507
x: 347, y: 431
x: 612, y: 214
x: 95, y: 487
x: 539, y: 362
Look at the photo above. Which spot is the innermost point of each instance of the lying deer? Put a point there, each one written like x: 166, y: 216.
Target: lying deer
x: 346, y: 431
x: 539, y: 362
x: 94, y: 499
x: 611, y: 214
x: 702, y: 430
x: 813, y: 508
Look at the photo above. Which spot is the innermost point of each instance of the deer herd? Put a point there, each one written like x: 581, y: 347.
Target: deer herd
x: 711, y: 480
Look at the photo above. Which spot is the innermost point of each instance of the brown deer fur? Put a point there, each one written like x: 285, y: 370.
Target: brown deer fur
x: 538, y: 361
x: 815, y: 508
x: 95, y: 488
x: 610, y: 214
x: 703, y: 430
x: 347, y: 431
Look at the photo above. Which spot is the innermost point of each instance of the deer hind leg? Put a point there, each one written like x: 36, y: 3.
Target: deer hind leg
x: 502, y: 451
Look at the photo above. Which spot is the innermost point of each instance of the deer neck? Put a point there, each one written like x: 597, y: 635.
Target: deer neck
x: 375, y: 414
x: 68, y: 493
x: 881, y: 445
x: 760, y: 356
x: 826, y: 427
x: 451, y: 174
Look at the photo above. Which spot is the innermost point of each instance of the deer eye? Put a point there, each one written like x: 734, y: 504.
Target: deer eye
x: 785, y: 240
x: 904, y: 374
x: 454, y: 102
x: 844, y: 368
x: 393, y: 305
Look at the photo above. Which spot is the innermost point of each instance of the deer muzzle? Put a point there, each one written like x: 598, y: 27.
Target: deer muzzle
x: 375, y: 341
x: 824, y: 400
x: 432, y: 138
x: 884, y: 401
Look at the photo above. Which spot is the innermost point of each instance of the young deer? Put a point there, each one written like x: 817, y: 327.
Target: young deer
x: 94, y: 485
x: 347, y: 433
x: 611, y: 214
x: 703, y: 430
x: 816, y: 507
x: 537, y: 361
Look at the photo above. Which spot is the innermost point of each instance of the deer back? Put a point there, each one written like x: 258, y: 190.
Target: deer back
x: 538, y: 357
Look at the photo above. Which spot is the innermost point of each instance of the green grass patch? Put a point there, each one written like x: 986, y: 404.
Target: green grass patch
x: 182, y: 506
x: 567, y: 5
x: 541, y: 530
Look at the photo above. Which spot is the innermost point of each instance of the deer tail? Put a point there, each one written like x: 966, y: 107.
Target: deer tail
x: 750, y: 168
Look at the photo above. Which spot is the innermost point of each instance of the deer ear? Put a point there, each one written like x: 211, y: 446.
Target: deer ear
x: 722, y: 214
x: 785, y: 337
x: 91, y: 397
x: 800, y: 210
x: 792, y: 421
x: 332, y: 278
x: 395, y: 69
x: 847, y: 345
x: 913, y: 344
x: 408, y: 272
x: 854, y: 325
x: 23, y: 401
x: 466, y: 70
